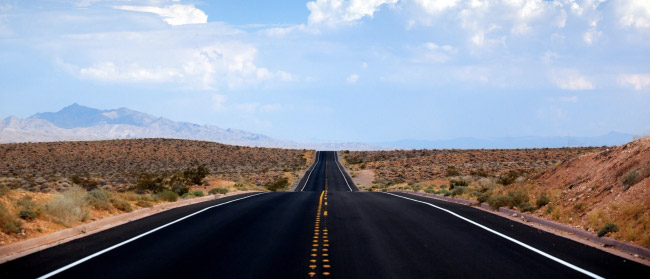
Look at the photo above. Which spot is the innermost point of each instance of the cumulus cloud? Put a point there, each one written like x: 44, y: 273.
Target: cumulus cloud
x: 228, y: 64
x: 177, y: 14
x: 634, y: 13
x: 334, y: 12
x: 353, y: 78
x: 571, y: 80
x: 436, y: 6
x: 638, y: 81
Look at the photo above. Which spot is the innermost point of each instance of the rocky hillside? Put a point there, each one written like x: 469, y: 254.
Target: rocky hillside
x: 611, y: 186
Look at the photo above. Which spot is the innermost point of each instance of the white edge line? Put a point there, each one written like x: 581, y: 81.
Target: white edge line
x: 64, y: 268
x: 337, y: 165
x: 312, y: 169
x: 592, y: 275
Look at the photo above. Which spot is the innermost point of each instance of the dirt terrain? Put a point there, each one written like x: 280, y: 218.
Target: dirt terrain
x: 47, y: 187
x: 49, y: 166
x: 601, y: 190
x: 409, y: 166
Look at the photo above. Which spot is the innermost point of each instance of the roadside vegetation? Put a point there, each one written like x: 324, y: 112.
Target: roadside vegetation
x: 46, y: 187
x: 602, y: 190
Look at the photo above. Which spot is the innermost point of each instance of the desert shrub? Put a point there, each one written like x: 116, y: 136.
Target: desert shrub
x: 121, y: 205
x: 219, y: 190
x: 499, y: 201
x: 27, y: 214
x: 479, y: 172
x: 444, y: 193
x: 630, y: 179
x: 166, y: 195
x: 99, y: 199
x: 143, y: 203
x: 517, y: 198
x: 453, y: 183
x: 181, y: 190
x: 9, y: 223
x: 277, y: 185
x: 196, y: 175
x: 148, y: 182
x: 85, y: 182
x: 508, y: 178
x: 483, y: 197
x: 607, y: 229
x: 580, y: 207
x: 3, y: 190
x: 188, y: 196
x: 458, y: 191
x: 29, y: 210
x: 526, y: 207
x: 451, y: 171
x: 68, y: 207
x: 415, y: 187
x: 198, y: 193
x: 429, y: 190
x: 542, y: 201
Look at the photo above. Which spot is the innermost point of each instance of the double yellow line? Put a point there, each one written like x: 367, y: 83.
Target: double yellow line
x: 319, y: 256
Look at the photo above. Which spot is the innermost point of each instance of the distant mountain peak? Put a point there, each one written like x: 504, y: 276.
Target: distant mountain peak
x: 79, y: 116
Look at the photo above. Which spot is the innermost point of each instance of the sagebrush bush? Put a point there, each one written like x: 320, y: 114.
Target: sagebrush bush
x: 219, y: 190
x: 29, y: 210
x: 166, y: 195
x: 542, y: 201
x: 68, y: 207
x: 430, y: 190
x: 499, y: 201
x: 3, y: 190
x: 483, y: 197
x: 458, y: 190
x: 188, y: 196
x: 517, y: 198
x: 444, y: 193
x: 607, y: 229
x: 198, y: 193
x: 526, y: 207
x: 121, y: 204
x: 9, y: 223
x: 143, y: 203
x: 277, y: 185
x: 99, y: 199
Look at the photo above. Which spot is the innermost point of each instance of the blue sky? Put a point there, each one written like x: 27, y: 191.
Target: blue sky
x: 333, y: 70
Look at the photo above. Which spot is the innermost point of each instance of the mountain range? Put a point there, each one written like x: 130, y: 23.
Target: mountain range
x: 77, y: 122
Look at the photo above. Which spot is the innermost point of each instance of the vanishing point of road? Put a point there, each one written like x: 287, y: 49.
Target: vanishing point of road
x: 325, y: 229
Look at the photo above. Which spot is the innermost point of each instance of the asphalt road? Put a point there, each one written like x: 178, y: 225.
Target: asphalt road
x: 326, y: 229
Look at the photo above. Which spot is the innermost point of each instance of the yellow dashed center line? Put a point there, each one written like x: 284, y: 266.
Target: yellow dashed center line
x: 317, y: 240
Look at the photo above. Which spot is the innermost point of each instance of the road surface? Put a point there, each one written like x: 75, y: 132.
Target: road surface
x: 326, y: 229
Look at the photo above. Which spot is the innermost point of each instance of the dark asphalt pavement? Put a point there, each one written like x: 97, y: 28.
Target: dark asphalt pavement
x: 340, y: 233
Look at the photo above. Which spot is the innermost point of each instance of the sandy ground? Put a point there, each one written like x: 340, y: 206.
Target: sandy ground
x: 363, y: 178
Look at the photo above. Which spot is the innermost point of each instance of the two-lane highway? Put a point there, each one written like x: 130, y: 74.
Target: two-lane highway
x: 326, y: 229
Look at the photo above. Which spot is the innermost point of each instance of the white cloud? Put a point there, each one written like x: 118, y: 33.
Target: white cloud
x: 225, y: 64
x: 571, y: 80
x: 353, y: 78
x: 107, y: 71
x: 436, y: 6
x: 638, y: 81
x: 335, y: 12
x: 634, y: 13
x: 431, y: 52
x: 549, y: 56
x: 177, y: 14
